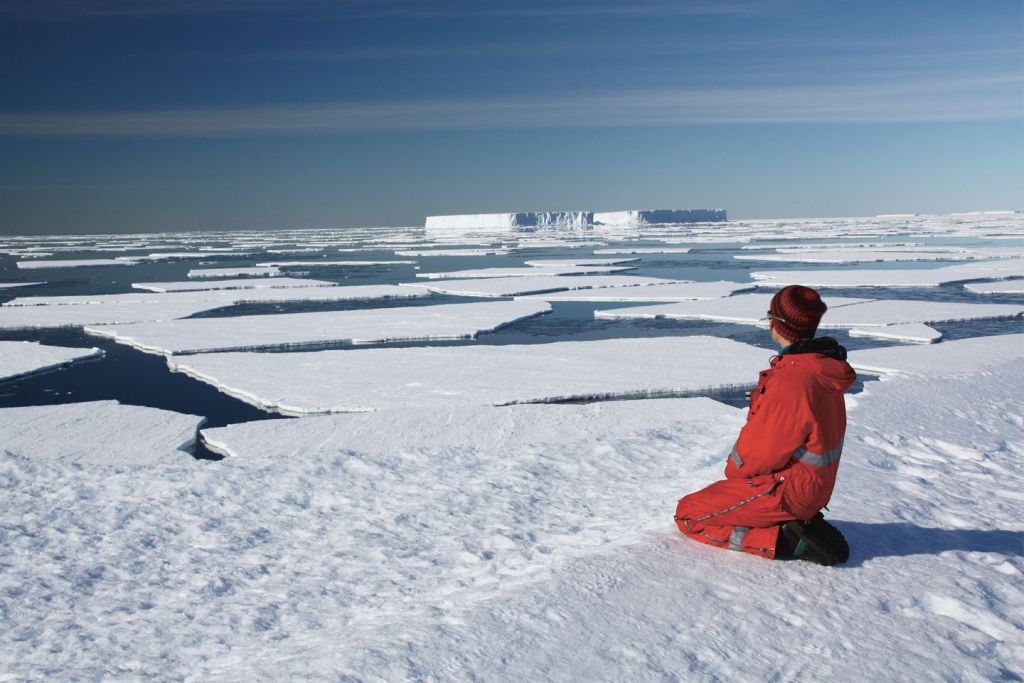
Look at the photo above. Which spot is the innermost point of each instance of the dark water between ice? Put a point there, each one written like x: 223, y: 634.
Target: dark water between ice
x: 137, y: 378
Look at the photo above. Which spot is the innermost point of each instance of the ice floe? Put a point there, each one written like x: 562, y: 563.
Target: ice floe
x: 98, y: 433
x: 908, y: 332
x: 303, y: 330
x: 374, y: 379
x: 851, y: 255
x: 453, y: 252
x: 959, y: 357
x: 37, y: 317
x: 644, y: 250
x: 23, y: 358
x: 676, y: 291
x: 581, y: 261
x: 262, y: 271
x: 517, y: 286
x: 74, y: 263
x: 843, y: 313
x: 493, y: 429
x: 868, y: 277
x: 322, y: 263
x: 12, y: 285
x: 244, y: 283
x: 521, y: 272
x: 1005, y: 287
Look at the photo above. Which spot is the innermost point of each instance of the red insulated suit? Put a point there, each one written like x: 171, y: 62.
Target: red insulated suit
x: 784, y: 464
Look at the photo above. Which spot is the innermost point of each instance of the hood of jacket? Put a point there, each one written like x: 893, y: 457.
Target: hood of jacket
x: 824, y: 356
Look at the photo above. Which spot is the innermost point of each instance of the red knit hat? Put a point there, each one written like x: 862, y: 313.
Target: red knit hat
x: 795, y: 312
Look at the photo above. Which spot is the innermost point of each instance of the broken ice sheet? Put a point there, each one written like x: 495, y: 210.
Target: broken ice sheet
x: 521, y: 272
x: 265, y: 271
x: 374, y: 379
x: 301, y: 330
x: 99, y: 433
x: 74, y: 263
x: 480, y: 428
x: 876, y: 277
x: 515, y: 286
x: 252, y: 283
x: 678, y: 291
x: 951, y: 358
x: 24, y: 358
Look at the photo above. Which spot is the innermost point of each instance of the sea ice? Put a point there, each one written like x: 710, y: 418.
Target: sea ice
x: 374, y: 379
x: 517, y: 286
x: 843, y: 313
x: 581, y: 261
x: 951, y: 358
x: 321, y: 263
x: 644, y: 250
x: 909, y: 332
x: 677, y: 291
x: 303, y: 330
x: 37, y: 317
x: 838, y: 255
x: 521, y: 272
x: 22, y: 358
x: 1005, y: 287
x: 646, y: 216
x: 491, y: 429
x: 98, y: 433
x: 453, y: 252
x: 74, y: 263
x: 253, y: 283
x: 866, y: 277
x: 12, y: 285
x: 264, y: 271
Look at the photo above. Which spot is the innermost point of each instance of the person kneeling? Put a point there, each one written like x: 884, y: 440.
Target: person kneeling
x: 782, y: 470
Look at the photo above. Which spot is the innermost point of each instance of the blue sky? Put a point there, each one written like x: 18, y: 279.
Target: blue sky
x: 138, y: 115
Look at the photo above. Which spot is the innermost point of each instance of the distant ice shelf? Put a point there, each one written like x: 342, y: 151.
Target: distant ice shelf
x: 375, y: 379
x: 19, y: 359
x: 648, y: 216
x: 572, y: 219
x: 99, y: 433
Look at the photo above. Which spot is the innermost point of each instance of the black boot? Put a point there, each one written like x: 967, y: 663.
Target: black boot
x: 814, y: 540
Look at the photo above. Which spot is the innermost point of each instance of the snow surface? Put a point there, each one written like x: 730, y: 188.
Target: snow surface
x: 581, y: 261
x: 852, y: 255
x: 302, y: 330
x: 98, y: 433
x: 521, y: 219
x: 328, y: 262
x: 233, y: 272
x: 645, y: 216
x: 1007, y: 287
x: 521, y: 272
x: 516, y: 286
x: 37, y: 317
x: 74, y: 263
x: 375, y: 379
x: 253, y: 283
x: 865, y: 277
x: 676, y: 291
x: 842, y: 313
x: 453, y: 252
x: 556, y: 560
x: 644, y: 250
x: 22, y: 358
x: 908, y: 332
x: 11, y: 285
x: 952, y: 358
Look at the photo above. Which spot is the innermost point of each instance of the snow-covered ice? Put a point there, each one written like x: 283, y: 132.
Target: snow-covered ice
x: 1005, y: 287
x: 522, y: 219
x: 908, y: 332
x: 479, y: 273
x: 38, y: 317
x: 98, y: 433
x: 244, y: 283
x: 960, y: 357
x: 74, y: 263
x: 645, y: 250
x: 645, y: 216
x: 254, y: 271
x: 677, y: 291
x: 517, y: 286
x: 22, y: 358
x: 843, y: 313
x: 581, y: 261
x: 875, y: 277
x: 852, y: 255
x: 374, y: 379
x: 303, y: 330
x: 453, y: 252
x: 323, y: 263
x: 12, y: 285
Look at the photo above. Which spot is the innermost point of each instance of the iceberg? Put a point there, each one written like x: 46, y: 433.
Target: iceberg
x: 305, y: 330
x: 648, y: 216
x: 375, y: 379
x: 517, y: 220
x: 99, y: 433
x: 19, y: 359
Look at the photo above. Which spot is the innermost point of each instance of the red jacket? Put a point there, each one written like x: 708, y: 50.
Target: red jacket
x: 796, y: 424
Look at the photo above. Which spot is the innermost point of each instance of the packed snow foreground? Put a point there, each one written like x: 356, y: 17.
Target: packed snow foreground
x: 468, y: 523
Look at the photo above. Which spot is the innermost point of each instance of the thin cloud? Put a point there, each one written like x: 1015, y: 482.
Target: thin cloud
x: 970, y: 99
